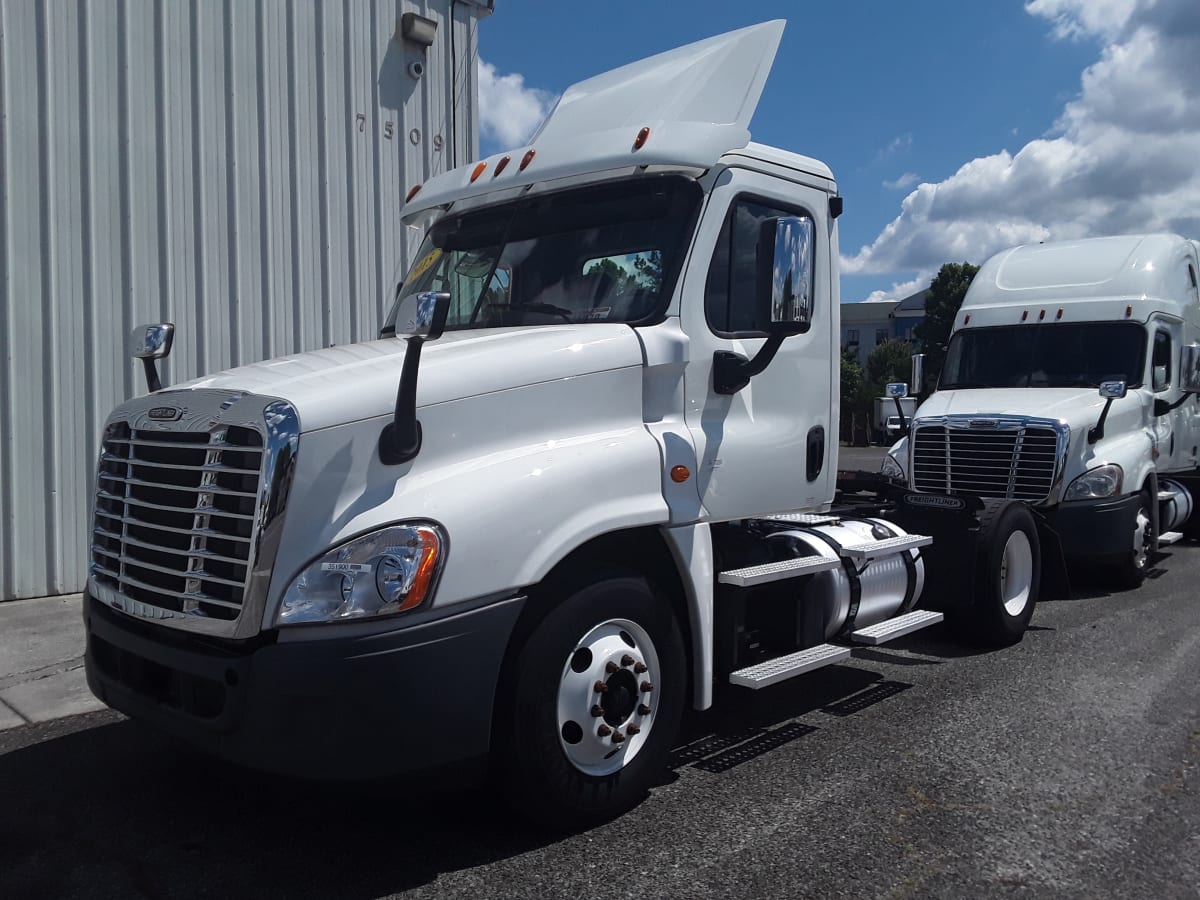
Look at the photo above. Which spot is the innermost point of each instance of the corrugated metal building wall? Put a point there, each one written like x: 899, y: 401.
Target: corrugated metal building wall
x: 235, y: 167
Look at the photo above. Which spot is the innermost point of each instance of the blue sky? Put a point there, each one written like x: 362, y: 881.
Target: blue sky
x: 955, y: 129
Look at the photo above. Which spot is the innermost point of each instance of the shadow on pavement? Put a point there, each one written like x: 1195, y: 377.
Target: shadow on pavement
x: 119, y: 811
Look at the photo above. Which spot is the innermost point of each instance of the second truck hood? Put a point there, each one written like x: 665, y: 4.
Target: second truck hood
x: 358, y: 381
x: 1075, y: 406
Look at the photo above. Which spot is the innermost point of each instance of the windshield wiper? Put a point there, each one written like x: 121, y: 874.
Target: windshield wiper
x: 962, y: 386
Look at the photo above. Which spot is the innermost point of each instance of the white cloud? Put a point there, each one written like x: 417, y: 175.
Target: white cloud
x: 898, y: 145
x: 1120, y: 159
x: 901, y: 289
x: 908, y: 179
x: 510, y: 112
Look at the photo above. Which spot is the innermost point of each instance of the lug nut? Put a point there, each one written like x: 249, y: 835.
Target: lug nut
x: 643, y: 709
x: 603, y: 730
x: 600, y: 687
x: 611, y: 667
x: 632, y: 729
x: 647, y: 687
x: 627, y: 660
x: 597, y: 711
x: 641, y: 668
x: 618, y: 738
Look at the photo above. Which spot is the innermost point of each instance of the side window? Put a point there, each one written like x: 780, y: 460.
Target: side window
x: 730, y: 300
x: 881, y: 335
x: 1161, y: 361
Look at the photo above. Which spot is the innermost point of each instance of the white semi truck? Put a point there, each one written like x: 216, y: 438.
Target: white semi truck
x: 1071, y: 383
x: 585, y: 478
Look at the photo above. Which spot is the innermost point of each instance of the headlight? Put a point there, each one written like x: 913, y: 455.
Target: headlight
x: 1102, y: 481
x: 891, y: 468
x: 379, y: 574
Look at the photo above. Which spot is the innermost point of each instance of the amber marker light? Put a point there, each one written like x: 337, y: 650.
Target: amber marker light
x: 1058, y: 315
x: 680, y: 474
x: 526, y: 159
x: 426, y: 569
x: 1041, y: 315
x: 967, y: 319
x: 1024, y: 315
x: 500, y: 166
x: 412, y: 192
x: 640, y: 141
x: 479, y: 170
x: 1128, y: 311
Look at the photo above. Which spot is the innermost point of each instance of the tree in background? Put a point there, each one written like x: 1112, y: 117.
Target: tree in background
x: 855, y: 398
x: 946, y: 293
x: 889, y: 361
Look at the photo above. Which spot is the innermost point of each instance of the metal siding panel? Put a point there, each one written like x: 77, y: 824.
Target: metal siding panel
x: 236, y: 168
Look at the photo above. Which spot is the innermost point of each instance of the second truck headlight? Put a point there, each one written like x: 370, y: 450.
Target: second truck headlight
x: 1095, y: 484
x: 381, y: 573
x: 892, y: 469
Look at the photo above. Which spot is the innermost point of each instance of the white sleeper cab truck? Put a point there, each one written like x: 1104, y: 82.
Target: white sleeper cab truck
x: 1070, y: 383
x: 585, y: 478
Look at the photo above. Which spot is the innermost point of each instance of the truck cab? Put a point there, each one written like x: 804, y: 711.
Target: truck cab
x: 586, y: 477
x: 1069, y: 384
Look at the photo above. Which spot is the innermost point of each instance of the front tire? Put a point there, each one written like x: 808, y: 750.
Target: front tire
x: 598, y: 692
x: 1007, y: 578
x: 1131, y: 571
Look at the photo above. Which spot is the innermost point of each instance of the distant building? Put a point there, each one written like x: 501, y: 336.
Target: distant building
x: 867, y: 325
x: 908, y: 314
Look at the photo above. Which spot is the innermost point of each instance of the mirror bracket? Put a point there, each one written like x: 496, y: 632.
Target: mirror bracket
x: 400, y: 440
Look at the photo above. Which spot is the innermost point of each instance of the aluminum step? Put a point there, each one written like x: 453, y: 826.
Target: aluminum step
x: 897, y: 627
x: 875, y: 549
x: 804, y: 518
x: 1167, y: 538
x: 751, y: 576
x: 783, y: 667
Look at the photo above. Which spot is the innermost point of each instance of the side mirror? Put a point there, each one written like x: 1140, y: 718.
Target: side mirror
x: 917, y: 380
x: 1189, y: 368
x: 423, y: 316
x: 1110, y: 391
x: 148, y: 343
x: 898, y: 390
x: 786, y: 254
x: 787, y: 246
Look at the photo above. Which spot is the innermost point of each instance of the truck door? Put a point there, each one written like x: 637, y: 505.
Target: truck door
x: 1161, y: 384
x: 769, y: 447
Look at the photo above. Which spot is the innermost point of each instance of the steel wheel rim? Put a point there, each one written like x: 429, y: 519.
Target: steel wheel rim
x: 1016, y: 573
x: 587, y: 738
x: 1141, y: 538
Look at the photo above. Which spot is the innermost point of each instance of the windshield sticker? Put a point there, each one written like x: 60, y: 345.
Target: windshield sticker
x: 424, y: 265
x: 600, y: 312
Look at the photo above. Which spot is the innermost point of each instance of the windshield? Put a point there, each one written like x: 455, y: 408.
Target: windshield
x: 606, y: 253
x: 1055, y: 355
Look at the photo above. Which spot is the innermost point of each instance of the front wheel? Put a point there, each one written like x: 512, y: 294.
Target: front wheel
x: 1007, y: 578
x: 599, y: 690
x: 1131, y: 570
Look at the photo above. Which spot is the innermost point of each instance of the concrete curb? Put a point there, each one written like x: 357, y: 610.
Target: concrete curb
x: 41, y: 661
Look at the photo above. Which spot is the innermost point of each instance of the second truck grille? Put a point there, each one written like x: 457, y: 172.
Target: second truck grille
x: 175, y: 516
x: 1014, y: 463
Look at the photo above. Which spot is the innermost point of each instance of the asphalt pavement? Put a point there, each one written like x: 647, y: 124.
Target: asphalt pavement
x: 1065, y: 766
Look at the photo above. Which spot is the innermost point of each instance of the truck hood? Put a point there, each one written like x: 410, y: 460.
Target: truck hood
x: 358, y: 381
x: 1078, y: 407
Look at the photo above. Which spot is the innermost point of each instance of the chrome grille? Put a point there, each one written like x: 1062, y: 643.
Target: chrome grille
x: 1018, y: 462
x: 175, y: 512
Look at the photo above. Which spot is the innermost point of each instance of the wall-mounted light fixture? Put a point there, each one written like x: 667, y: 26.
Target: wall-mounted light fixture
x: 418, y: 29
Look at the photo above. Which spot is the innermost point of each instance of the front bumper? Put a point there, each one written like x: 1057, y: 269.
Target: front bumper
x: 411, y: 699
x: 1096, y: 530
